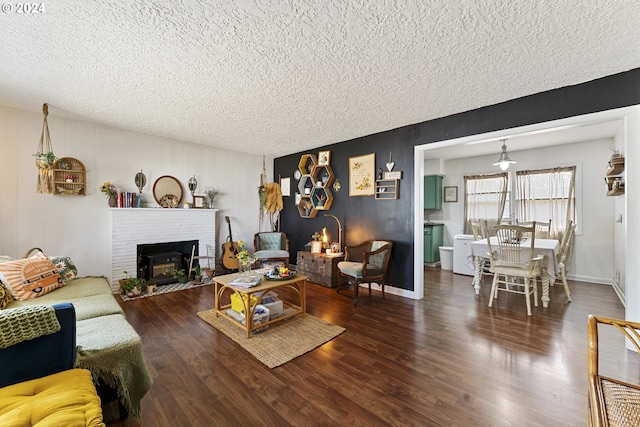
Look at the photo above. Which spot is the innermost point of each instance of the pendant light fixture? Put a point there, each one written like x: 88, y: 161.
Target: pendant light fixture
x: 504, y: 161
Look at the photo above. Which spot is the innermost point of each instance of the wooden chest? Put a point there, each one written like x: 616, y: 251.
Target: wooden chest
x: 319, y: 268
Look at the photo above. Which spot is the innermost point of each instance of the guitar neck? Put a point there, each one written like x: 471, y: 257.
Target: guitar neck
x: 229, y: 224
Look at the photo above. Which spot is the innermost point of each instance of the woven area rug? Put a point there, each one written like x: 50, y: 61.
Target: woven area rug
x: 283, y: 341
x: 163, y: 289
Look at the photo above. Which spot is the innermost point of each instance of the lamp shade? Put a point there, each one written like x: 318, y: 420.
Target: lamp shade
x: 504, y: 161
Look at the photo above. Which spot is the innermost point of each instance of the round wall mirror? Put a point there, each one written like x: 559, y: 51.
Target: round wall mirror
x: 167, y: 191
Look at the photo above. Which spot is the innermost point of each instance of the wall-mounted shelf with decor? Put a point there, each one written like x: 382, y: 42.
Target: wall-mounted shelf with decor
x: 306, y: 209
x: 321, y: 198
x: 307, y: 164
x: 323, y: 175
x: 69, y: 177
x: 387, y: 189
x: 614, y: 178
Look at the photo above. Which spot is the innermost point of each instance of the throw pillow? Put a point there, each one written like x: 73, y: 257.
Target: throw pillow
x: 65, y: 267
x: 30, y: 277
x: 5, y: 297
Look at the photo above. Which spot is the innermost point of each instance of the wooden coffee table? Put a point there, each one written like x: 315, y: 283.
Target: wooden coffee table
x: 297, y: 283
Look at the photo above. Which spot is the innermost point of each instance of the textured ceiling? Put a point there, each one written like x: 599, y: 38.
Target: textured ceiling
x: 276, y: 77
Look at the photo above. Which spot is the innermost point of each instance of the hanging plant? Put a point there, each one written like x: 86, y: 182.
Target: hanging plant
x: 262, y: 196
x: 45, y: 159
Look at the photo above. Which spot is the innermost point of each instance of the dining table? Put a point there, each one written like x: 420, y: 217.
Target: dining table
x: 547, y: 248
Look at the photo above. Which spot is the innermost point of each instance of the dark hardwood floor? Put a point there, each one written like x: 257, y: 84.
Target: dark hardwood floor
x: 447, y: 360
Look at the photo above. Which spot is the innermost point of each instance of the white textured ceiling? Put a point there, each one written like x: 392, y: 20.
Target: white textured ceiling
x: 274, y: 77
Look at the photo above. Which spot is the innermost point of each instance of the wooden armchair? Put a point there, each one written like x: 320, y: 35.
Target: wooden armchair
x: 611, y: 401
x: 365, y: 263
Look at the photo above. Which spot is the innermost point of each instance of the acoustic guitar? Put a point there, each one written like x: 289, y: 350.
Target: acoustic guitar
x: 229, y: 250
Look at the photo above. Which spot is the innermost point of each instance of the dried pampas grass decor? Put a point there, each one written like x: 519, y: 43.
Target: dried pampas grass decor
x: 45, y: 159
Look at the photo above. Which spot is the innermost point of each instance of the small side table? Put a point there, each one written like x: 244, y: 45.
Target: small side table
x: 319, y: 268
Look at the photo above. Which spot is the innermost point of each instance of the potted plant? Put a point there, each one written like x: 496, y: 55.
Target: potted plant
x: 198, y: 276
x: 132, y: 286
x: 45, y: 160
x: 179, y: 275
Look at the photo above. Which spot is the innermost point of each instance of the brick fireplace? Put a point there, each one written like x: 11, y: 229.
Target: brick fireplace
x: 131, y: 227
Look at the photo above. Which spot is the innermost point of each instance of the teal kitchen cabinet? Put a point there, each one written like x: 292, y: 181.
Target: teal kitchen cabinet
x: 433, y: 192
x: 432, y: 241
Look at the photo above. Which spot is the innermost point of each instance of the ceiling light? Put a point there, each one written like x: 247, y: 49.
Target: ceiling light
x: 504, y: 161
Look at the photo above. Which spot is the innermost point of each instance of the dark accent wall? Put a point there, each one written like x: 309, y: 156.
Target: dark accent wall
x: 366, y: 218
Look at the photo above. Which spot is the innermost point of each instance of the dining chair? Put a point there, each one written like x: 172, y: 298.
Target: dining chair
x: 271, y: 246
x: 564, y: 256
x: 480, y: 231
x: 513, y: 270
x: 543, y: 229
x: 365, y: 263
x: 611, y: 401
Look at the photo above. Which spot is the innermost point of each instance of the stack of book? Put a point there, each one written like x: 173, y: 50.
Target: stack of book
x: 128, y: 200
x: 246, y: 281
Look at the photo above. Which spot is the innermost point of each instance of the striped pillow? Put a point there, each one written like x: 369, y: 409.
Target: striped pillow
x: 30, y: 277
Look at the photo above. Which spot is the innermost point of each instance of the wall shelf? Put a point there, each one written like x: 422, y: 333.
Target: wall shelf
x: 387, y: 189
x: 69, y: 167
x: 614, y: 177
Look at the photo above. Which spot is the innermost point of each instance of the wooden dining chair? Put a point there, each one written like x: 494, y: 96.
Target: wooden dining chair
x: 513, y: 271
x: 611, y: 402
x: 480, y: 231
x: 543, y: 229
x: 564, y: 256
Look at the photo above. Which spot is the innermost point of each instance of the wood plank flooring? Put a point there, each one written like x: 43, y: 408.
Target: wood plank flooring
x: 446, y: 360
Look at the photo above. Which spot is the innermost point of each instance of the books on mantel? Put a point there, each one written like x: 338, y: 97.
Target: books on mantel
x: 245, y: 281
x: 128, y: 200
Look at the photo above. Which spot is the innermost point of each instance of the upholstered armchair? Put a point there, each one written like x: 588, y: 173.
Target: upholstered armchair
x: 271, y: 246
x: 365, y: 263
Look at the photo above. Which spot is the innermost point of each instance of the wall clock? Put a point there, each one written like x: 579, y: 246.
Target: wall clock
x: 297, y: 175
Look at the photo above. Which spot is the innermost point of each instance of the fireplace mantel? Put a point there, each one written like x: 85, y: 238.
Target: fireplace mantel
x: 133, y: 226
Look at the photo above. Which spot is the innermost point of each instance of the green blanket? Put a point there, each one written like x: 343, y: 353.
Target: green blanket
x: 112, y: 350
x: 26, y: 323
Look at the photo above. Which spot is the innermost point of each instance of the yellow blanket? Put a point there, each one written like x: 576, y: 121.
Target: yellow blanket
x: 273, y: 200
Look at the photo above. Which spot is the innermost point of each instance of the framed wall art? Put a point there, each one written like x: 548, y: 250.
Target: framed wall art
x: 285, y: 186
x: 316, y: 247
x: 198, y: 202
x: 323, y: 158
x: 362, y: 177
x: 450, y: 194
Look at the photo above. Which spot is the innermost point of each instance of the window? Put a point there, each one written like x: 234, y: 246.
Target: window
x: 547, y: 194
x: 484, y: 198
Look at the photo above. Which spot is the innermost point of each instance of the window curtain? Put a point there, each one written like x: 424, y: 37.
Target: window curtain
x: 547, y: 194
x: 484, y: 198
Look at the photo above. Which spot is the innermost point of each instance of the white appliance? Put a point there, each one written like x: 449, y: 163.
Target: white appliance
x: 462, y: 263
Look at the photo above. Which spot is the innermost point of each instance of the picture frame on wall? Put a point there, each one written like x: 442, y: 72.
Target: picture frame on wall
x: 285, y: 186
x: 198, y: 202
x: 323, y: 158
x: 451, y: 194
x: 362, y: 176
x: 65, y: 165
x: 316, y: 247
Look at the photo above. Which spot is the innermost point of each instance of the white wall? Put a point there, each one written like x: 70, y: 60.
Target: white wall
x: 80, y: 226
x: 593, y: 258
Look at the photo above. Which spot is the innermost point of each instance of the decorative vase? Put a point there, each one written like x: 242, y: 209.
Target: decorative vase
x: 245, y: 269
x: 113, y: 201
